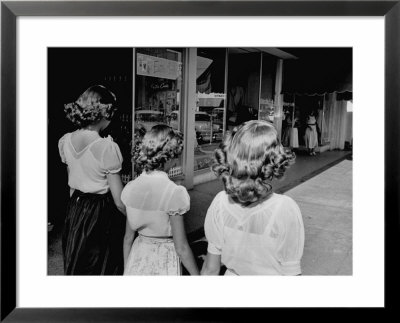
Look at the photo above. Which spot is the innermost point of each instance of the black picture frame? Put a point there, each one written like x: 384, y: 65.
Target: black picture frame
x: 10, y: 10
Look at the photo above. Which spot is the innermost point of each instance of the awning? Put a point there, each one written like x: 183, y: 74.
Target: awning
x: 318, y: 71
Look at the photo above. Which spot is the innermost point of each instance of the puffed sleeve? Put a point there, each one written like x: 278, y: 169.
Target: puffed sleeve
x: 61, y: 143
x: 213, y: 227
x: 112, y: 157
x: 290, y: 237
x: 179, y: 202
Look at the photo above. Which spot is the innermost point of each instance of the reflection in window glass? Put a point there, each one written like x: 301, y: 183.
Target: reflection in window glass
x: 210, y: 104
x: 290, y: 123
x: 243, y: 86
x: 267, y: 106
x: 158, y: 88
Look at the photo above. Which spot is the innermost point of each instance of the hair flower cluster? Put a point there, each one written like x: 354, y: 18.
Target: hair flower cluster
x: 95, y: 104
x: 151, y: 150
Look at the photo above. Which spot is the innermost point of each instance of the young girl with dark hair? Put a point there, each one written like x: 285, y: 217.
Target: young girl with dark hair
x: 155, y: 207
x: 250, y: 229
x: 94, y: 225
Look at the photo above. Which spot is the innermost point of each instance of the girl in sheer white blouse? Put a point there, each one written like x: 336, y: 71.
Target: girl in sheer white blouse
x: 95, y: 222
x: 250, y: 229
x: 155, y: 207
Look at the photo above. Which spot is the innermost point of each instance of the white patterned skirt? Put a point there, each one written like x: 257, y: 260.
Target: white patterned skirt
x: 153, y: 256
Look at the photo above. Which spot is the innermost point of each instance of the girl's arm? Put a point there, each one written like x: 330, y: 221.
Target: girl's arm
x: 182, y: 246
x: 212, y: 265
x: 128, y: 240
x: 115, y: 183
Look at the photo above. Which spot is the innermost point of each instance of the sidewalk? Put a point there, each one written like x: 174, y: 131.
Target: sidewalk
x: 326, y: 204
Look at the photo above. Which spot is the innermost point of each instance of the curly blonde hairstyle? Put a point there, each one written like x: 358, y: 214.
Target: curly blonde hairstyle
x: 248, y: 159
x: 93, y: 105
x: 156, y: 147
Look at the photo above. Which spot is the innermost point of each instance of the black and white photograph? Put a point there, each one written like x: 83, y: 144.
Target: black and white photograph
x: 200, y: 161
x: 144, y: 142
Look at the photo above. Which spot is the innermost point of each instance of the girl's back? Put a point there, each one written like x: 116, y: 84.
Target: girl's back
x: 265, y: 239
x: 89, y: 158
x: 149, y: 200
x: 250, y: 229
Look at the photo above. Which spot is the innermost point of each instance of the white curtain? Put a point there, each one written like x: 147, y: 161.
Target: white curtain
x: 335, y: 113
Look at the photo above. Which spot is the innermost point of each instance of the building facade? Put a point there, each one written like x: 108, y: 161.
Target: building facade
x: 202, y: 92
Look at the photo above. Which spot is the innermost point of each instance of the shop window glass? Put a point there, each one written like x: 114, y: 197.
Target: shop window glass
x: 267, y: 109
x: 158, y: 85
x: 290, y: 124
x: 210, y: 104
x: 243, y: 86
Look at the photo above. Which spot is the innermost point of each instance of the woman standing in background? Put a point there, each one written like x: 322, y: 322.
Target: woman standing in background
x: 311, y: 135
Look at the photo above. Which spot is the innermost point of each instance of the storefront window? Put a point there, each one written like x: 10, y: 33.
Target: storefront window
x: 158, y: 85
x: 289, y: 137
x: 243, y: 86
x: 210, y: 104
x: 267, y: 109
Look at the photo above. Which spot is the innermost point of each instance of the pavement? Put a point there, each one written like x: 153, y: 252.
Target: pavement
x: 322, y: 187
x: 326, y: 205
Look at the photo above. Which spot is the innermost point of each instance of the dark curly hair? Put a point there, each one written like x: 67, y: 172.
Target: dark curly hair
x: 156, y: 147
x: 93, y: 105
x: 248, y: 159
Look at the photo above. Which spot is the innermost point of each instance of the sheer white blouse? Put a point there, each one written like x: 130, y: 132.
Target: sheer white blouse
x: 266, y: 239
x: 89, y: 167
x: 150, y: 200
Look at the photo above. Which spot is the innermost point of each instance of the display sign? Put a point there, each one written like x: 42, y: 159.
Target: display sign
x: 161, y: 86
x: 210, y: 99
x: 287, y: 104
x: 158, y: 67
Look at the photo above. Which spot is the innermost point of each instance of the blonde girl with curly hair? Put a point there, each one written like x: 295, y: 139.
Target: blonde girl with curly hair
x: 95, y: 221
x: 155, y: 208
x: 249, y: 228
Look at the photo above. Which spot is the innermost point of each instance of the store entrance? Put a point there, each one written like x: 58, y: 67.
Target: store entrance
x: 243, y: 87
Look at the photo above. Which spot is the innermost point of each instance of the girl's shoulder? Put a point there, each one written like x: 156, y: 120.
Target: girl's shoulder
x: 287, y: 207
x: 106, y: 141
x: 162, y: 178
x: 128, y: 190
x: 177, y: 189
x: 129, y: 184
x: 107, y: 146
x: 64, y: 137
x: 220, y: 198
x: 132, y: 184
x: 61, y: 144
x: 222, y: 195
x: 283, y: 200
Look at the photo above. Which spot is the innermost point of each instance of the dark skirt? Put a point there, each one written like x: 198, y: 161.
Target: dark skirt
x: 93, y: 235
